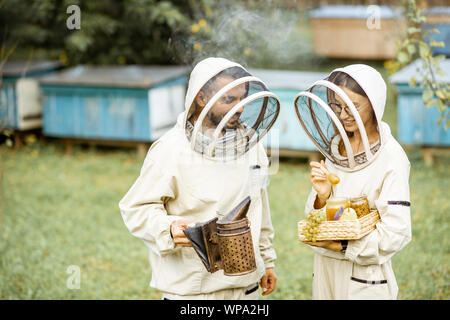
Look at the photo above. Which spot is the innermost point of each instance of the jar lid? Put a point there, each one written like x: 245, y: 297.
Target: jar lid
x: 361, y: 197
x: 337, y: 199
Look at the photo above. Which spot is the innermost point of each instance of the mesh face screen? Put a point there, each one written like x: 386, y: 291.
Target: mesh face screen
x: 317, y: 122
x: 233, y: 120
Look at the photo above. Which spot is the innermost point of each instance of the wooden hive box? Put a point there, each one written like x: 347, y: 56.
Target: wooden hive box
x: 417, y: 124
x: 113, y: 103
x: 439, y: 18
x: 346, y: 31
x: 287, y: 133
x: 20, y: 97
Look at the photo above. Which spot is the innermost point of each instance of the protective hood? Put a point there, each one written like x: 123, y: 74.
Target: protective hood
x: 227, y: 110
x: 316, y: 111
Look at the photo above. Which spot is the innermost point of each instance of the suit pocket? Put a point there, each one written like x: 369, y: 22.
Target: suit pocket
x: 362, y: 289
x: 368, y: 283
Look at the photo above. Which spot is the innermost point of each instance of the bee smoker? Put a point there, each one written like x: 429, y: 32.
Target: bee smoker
x: 226, y: 243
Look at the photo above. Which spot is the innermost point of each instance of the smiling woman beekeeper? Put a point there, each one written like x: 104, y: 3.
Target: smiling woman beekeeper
x: 343, y: 117
x: 202, y: 168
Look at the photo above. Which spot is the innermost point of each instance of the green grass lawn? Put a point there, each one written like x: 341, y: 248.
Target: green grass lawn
x: 61, y: 210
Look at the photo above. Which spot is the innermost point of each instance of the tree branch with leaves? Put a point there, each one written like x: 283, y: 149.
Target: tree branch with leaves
x: 418, y: 45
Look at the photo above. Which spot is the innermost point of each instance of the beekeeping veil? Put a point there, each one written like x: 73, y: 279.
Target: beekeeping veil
x: 323, y: 126
x: 227, y: 110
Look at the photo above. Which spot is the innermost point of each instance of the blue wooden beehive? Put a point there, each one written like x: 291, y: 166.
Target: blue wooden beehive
x: 287, y: 131
x: 417, y: 124
x: 439, y: 18
x: 114, y: 103
x: 20, y: 101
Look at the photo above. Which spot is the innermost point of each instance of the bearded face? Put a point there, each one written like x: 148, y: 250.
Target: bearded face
x: 225, y: 103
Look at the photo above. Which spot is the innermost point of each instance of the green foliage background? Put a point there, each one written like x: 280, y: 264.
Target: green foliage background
x: 268, y: 33
x: 122, y: 31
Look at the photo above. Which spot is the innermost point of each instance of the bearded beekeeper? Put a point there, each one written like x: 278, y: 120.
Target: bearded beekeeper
x: 342, y: 115
x: 203, y: 167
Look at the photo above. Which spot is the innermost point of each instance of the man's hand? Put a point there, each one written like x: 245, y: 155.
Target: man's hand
x: 176, y: 231
x: 268, y: 281
x: 327, y: 244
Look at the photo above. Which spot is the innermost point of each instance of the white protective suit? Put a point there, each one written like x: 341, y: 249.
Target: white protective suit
x: 177, y: 182
x: 364, y: 271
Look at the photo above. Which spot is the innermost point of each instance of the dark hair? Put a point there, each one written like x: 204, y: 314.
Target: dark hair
x: 343, y: 79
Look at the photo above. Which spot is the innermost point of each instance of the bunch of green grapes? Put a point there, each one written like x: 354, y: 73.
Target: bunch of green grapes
x: 313, y: 220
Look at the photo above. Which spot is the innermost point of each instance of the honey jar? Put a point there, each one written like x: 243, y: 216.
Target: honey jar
x: 334, y: 204
x: 360, y: 205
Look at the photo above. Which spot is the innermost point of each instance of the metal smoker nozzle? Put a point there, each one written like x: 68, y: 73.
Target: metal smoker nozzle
x: 238, y: 212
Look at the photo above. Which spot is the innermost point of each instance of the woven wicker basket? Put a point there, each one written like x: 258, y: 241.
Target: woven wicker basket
x: 343, y: 230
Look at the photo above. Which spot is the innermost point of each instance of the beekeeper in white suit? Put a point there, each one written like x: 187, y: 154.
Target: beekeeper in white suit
x: 343, y: 116
x: 202, y: 168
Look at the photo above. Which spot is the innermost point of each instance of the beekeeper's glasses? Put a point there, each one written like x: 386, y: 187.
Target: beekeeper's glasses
x: 337, y: 108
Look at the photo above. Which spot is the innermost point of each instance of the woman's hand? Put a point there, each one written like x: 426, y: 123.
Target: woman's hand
x: 326, y: 244
x: 319, y: 180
